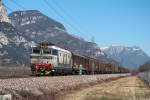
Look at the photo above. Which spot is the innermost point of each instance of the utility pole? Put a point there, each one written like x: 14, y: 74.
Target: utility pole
x: 93, y: 39
x: 93, y: 65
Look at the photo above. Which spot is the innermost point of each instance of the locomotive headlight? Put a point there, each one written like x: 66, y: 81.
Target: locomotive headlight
x: 53, y: 70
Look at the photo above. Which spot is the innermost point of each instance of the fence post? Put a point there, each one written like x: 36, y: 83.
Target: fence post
x: 80, y: 70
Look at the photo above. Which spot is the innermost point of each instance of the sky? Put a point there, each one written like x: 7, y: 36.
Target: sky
x: 109, y: 22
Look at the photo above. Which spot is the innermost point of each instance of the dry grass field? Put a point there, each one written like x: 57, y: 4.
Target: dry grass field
x: 128, y: 88
x: 11, y: 72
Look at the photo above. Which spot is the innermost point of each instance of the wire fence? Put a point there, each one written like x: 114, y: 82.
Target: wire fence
x: 145, y: 76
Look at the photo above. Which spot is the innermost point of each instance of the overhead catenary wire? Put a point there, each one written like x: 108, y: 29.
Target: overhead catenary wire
x: 17, y: 4
x: 70, y: 17
x: 10, y: 19
x: 35, y: 24
x: 22, y: 7
x: 36, y: 28
x: 58, y: 14
x: 11, y: 10
x: 62, y: 17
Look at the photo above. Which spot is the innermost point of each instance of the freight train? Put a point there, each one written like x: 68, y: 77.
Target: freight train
x: 49, y: 59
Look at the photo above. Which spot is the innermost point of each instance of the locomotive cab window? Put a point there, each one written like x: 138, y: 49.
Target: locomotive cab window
x: 46, y: 51
x: 55, y: 52
x: 36, y: 51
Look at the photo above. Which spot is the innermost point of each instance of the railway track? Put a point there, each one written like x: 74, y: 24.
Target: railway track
x: 33, y: 76
x: 13, y: 77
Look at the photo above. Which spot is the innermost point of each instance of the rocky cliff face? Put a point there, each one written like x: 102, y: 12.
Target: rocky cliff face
x: 3, y: 13
x: 14, y: 49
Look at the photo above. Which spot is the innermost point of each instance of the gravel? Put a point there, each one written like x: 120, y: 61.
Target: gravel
x: 48, y: 88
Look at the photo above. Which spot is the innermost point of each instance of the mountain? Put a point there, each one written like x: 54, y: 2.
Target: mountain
x: 27, y: 28
x: 131, y: 57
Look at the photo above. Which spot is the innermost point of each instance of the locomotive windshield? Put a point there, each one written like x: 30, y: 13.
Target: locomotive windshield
x: 51, y: 51
x: 47, y: 51
x: 36, y: 51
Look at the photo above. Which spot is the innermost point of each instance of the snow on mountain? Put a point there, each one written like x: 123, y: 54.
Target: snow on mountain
x: 131, y: 57
x: 3, y: 39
